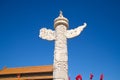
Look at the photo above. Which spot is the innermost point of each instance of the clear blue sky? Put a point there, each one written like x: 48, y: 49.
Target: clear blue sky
x: 96, y: 50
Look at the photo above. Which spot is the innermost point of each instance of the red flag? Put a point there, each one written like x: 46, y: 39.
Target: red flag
x: 69, y: 78
x: 101, y: 77
x: 91, y: 76
x: 79, y: 77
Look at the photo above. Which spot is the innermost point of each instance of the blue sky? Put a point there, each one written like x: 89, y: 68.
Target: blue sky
x: 96, y: 50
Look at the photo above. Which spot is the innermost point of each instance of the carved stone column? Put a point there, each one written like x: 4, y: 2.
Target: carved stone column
x: 60, y: 65
x: 60, y: 35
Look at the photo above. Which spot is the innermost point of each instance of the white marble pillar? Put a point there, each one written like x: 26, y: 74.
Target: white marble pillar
x: 60, y: 35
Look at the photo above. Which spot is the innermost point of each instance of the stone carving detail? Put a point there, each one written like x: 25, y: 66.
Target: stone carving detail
x: 60, y: 35
x: 60, y: 70
x: 47, y: 34
x: 61, y: 66
x: 75, y: 32
x: 60, y: 52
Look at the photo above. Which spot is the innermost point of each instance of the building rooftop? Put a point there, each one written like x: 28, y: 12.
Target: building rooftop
x: 30, y: 69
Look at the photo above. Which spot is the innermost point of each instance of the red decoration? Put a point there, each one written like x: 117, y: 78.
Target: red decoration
x: 79, y: 77
x: 69, y: 78
x: 91, y: 76
x: 101, y: 77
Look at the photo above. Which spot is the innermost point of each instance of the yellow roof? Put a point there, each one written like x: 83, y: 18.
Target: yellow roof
x: 31, y: 69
